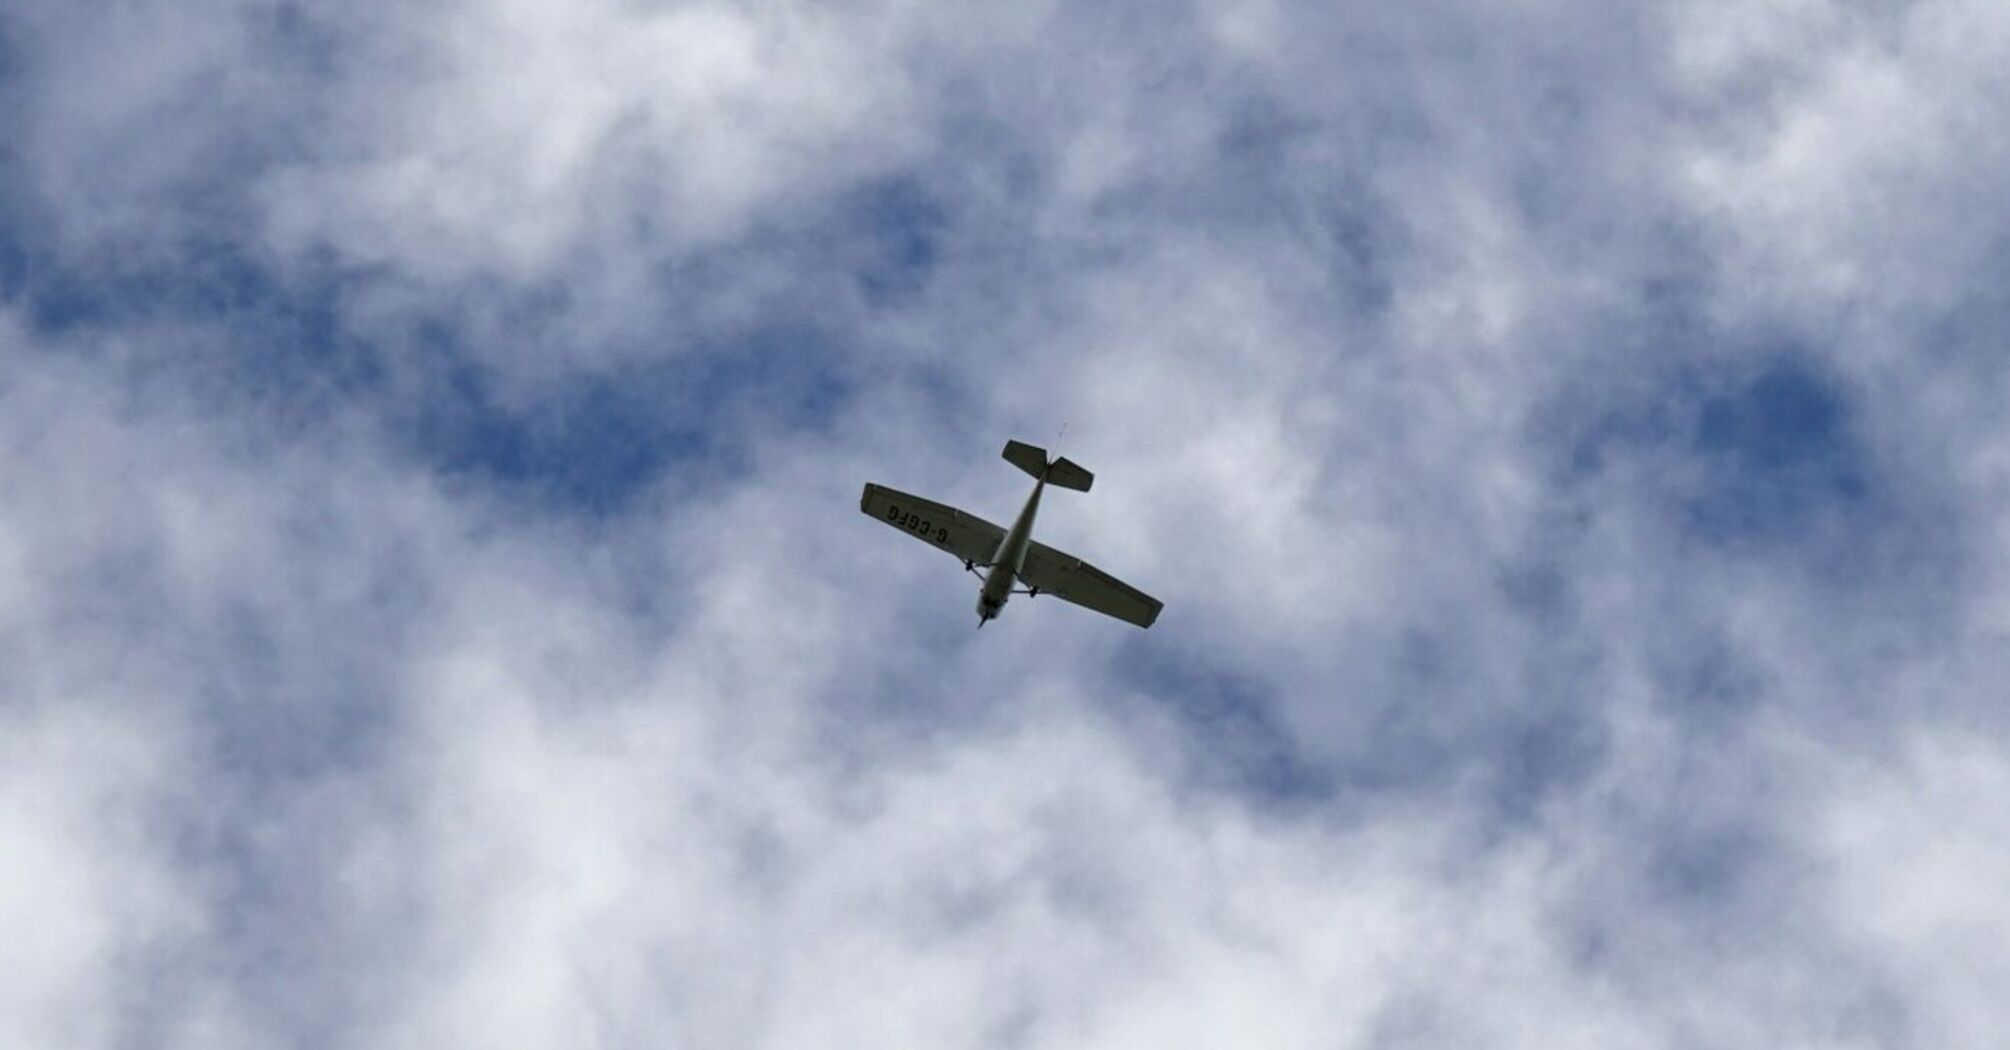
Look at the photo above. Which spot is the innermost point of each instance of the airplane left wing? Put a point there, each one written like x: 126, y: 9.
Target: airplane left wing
x: 1073, y: 580
x: 967, y: 536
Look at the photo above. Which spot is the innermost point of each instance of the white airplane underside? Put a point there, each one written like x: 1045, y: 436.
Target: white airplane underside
x: 1003, y: 557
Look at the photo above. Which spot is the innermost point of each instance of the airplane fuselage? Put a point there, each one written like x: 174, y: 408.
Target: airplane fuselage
x: 1009, y: 561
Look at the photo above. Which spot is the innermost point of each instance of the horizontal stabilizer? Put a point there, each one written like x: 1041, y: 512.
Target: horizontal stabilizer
x: 1029, y: 458
x: 1033, y: 460
x: 1069, y: 475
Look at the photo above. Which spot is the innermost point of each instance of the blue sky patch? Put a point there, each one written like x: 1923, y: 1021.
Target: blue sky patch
x: 1779, y: 457
x: 1758, y: 459
x: 592, y: 442
x: 903, y: 225
x: 1236, y: 739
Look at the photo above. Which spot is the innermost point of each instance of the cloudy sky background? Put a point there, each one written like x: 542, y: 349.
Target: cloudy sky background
x: 1568, y: 436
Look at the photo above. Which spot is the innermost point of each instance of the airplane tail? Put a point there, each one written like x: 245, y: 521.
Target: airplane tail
x: 1065, y: 473
x: 1059, y: 471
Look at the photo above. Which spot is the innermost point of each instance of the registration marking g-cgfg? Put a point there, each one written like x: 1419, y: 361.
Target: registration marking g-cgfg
x: 917, y: 524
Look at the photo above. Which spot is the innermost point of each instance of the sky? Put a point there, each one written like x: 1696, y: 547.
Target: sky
x: 1568, y: 437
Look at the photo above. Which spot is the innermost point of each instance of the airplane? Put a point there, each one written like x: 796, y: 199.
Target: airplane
x: 1007, y: 556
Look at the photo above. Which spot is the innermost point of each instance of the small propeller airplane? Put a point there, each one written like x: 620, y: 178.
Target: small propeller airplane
x: 1002, y: 557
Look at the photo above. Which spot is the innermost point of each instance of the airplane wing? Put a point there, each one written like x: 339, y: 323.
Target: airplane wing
x: 1071, y: 579
x: 967, y: 536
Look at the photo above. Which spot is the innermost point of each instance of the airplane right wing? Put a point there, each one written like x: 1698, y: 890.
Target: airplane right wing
x: 1073, y: 580
x: 967, y: 536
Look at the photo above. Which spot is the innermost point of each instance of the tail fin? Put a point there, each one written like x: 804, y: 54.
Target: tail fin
x: 1033, y: 460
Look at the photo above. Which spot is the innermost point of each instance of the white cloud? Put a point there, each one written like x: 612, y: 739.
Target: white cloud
x: 1878, y: 148
x: 1357, y: 317
x: 91, y: 890
x: 509, y: 139
x: 1914, y: 845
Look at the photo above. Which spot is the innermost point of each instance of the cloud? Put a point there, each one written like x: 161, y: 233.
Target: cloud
x: 1912, y: 848
x: 1566, y: 442
x: 90, y: 892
